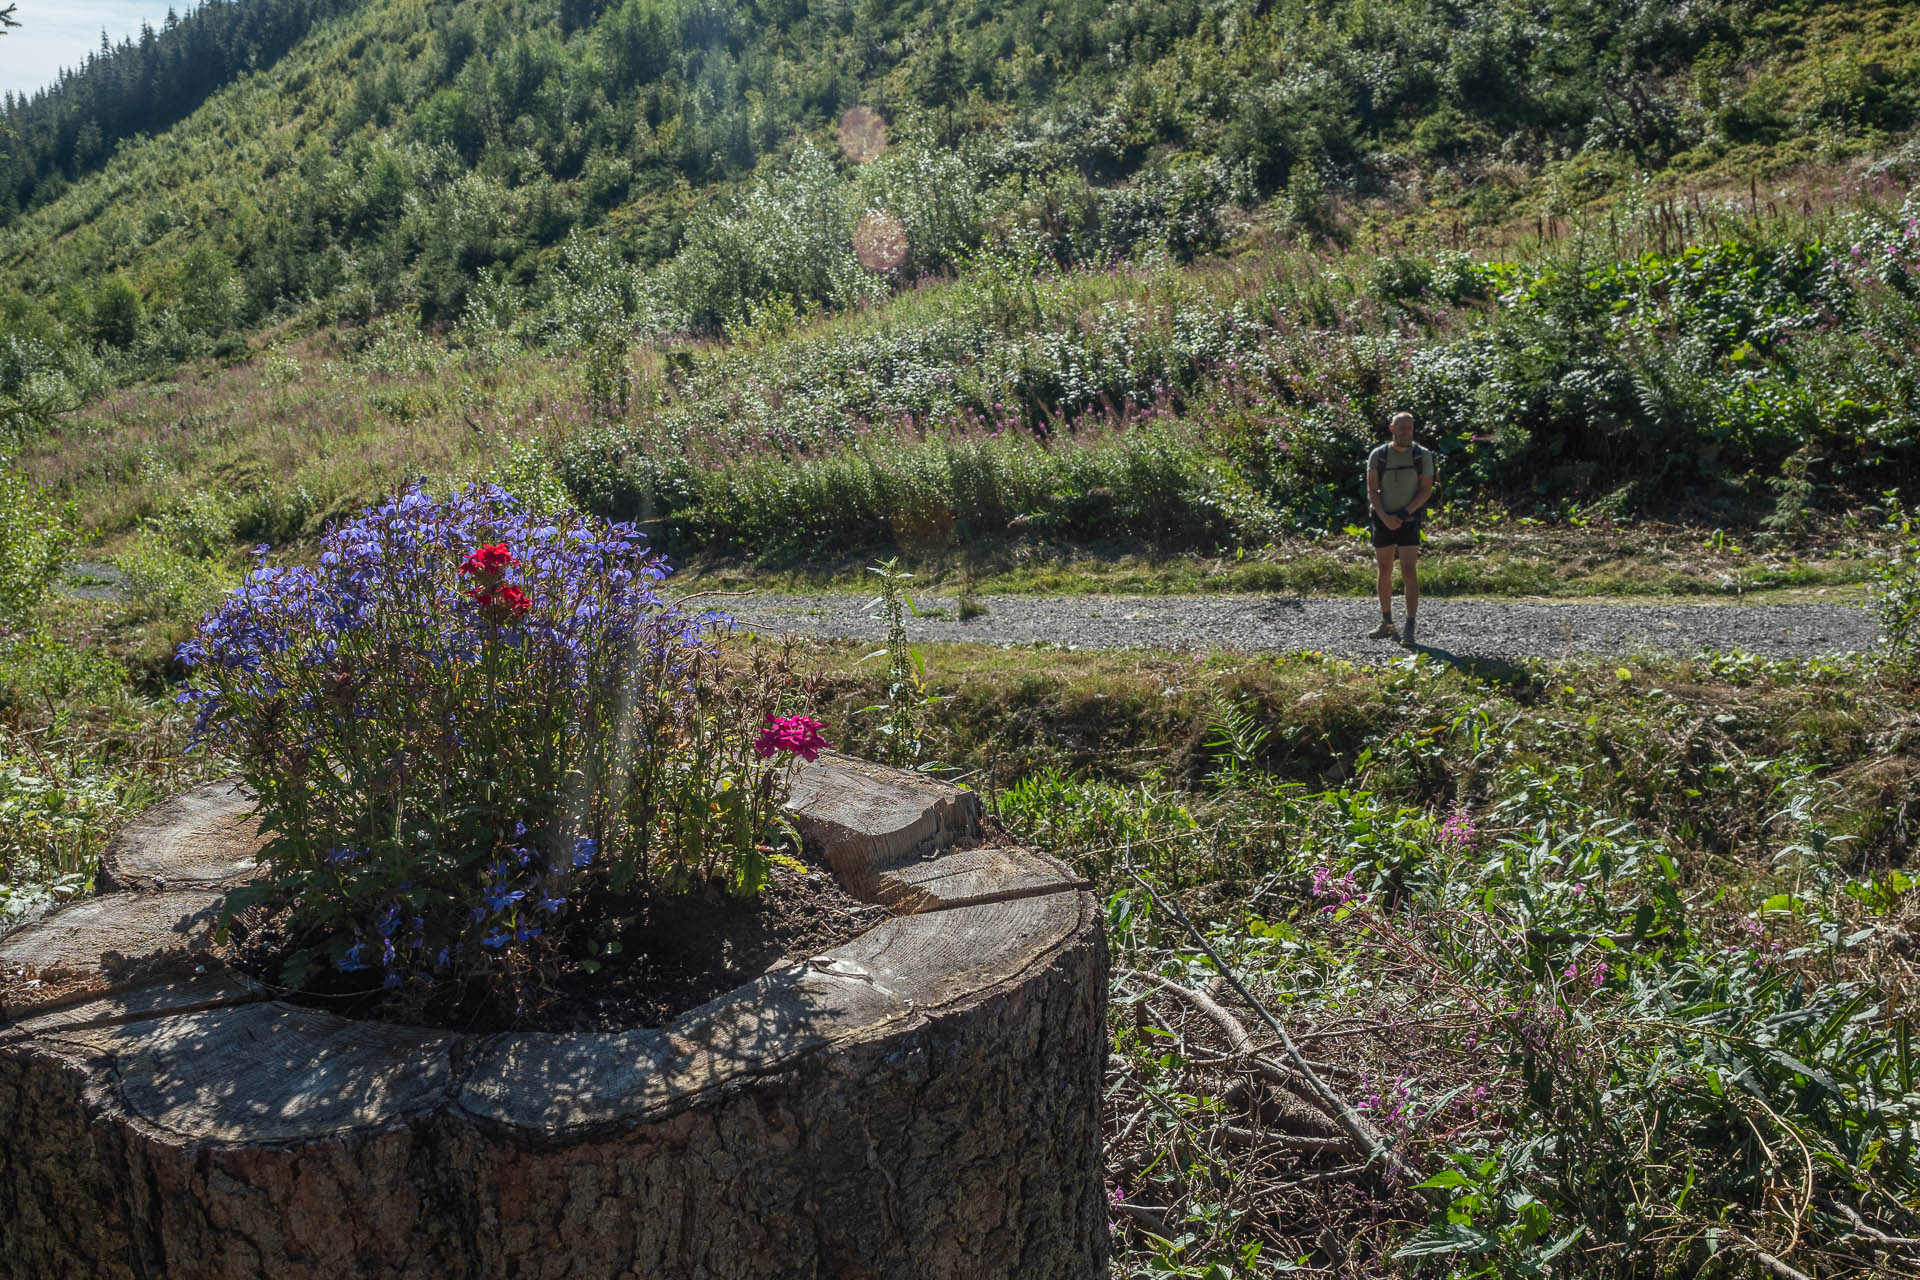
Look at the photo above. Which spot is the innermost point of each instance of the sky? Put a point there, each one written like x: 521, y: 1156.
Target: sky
x: 60, y: 33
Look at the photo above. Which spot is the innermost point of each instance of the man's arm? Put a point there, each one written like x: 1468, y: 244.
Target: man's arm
x: 1380, y: 513
x: 1421, y: 495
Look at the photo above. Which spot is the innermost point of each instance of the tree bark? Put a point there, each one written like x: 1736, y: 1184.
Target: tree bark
x: 921, y: 1102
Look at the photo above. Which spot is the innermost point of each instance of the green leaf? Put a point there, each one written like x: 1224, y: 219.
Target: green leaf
x: 1795, y: 1065
x: 294, y: 972
x: 1452, y: 1238
x: 1562, y: 1244
x: 237, y: 901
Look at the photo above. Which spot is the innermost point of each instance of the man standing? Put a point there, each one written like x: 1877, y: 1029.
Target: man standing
x: 1399, y: 482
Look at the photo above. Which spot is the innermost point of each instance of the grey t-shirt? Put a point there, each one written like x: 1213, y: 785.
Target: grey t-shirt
x: 1400, y: 474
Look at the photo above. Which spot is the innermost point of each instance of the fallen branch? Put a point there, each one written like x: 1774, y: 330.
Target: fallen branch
x: 1274, y: 1073
x: 1364, y: 1135
x: 1235, y: 1136
x: 1778, y: 1269
x: 1151, y: 1216
x: 1236, y: 1033
x: 1867, y: 1231
x: 1324, y: 1175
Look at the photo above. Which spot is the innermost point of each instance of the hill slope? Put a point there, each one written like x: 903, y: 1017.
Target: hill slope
x: 409, y: 152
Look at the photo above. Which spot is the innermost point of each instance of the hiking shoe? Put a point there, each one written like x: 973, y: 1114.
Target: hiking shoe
x: 1385, y: 631
x: 1406, y: 636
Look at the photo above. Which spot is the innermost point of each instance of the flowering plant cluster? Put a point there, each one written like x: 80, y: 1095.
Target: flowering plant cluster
x: 1459, y: 832
x: 468, y: 716
x: 499, y: 599
x: 797, y: 735
x: 1335, y: 891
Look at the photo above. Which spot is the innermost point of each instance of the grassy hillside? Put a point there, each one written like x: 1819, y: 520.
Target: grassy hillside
x: 438, y: 156
x: 1750, y: 374
x: 1159, y: 286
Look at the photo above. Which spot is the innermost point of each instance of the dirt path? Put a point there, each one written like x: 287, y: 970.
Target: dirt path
x: 1465, y: 629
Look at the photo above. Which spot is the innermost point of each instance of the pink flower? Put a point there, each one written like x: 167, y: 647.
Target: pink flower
x: 798, y: 735
x: 1459, y: 831
x: 1340, y: 892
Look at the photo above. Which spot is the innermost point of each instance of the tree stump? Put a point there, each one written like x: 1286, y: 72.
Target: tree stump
x: 921, y: 1102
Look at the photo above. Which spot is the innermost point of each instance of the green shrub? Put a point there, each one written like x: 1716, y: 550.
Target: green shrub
x: 116, y: 313
x: 1897, y: 594
x: 1143, y: 483
x: 36, y: 669
x: 169, y: 585
x: 35, y: 534
x: 274, y: 515
x: 199, y: 525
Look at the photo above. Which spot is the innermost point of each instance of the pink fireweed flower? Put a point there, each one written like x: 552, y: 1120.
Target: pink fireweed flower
x: 799, y: 735
x: 1459, y: 831
x: 1339, y: 891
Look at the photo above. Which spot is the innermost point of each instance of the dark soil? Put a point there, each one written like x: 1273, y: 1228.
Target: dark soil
x: 672, y: 954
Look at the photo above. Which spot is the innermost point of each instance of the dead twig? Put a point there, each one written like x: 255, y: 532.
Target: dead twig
x: 1151, y: 1216
x: 1274, y: 1073
x: 1364, y: 1135
x: 1324, y: 1175
x: 1133, y: 1122
x: 1237, y: 1034
x: 1861, y: 1227
x: 1774, y: 1267
x: 1235, y: 1136
x: 1770, y: 1264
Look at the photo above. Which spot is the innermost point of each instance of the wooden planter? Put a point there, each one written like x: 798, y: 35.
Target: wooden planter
x: 921, y: 1102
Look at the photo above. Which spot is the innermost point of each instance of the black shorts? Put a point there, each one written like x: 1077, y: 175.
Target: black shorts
x: 1407, y: 535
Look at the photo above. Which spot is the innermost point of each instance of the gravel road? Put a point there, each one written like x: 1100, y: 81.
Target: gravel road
x: 1495, y: 629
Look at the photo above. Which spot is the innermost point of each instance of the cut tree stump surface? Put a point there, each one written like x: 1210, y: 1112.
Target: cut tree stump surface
x: 203, y: 838
x: 102, y: 945
x: 909, y: 842
x: 922, y: 1101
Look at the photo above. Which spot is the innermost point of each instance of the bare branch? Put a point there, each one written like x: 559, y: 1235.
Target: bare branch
x: 1236, y: 1033
x: 1235, y: 1136
x: 1364, y: 1135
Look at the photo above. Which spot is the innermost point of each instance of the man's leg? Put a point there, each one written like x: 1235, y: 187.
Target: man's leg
x: 1410, y: 586
x: 1383, y: 558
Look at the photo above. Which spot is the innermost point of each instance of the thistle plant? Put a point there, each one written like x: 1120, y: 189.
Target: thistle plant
x: 470, y: 714
x: 903, y: 714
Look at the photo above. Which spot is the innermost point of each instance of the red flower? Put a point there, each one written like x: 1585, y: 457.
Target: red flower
x: 489, y: 562
x: 510, y: 601
x: 799, y: 735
